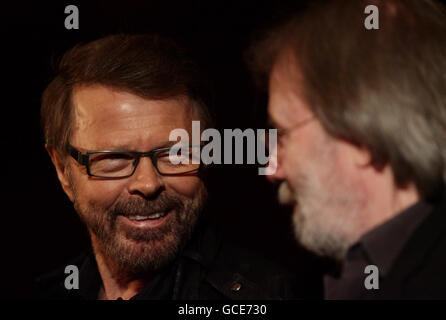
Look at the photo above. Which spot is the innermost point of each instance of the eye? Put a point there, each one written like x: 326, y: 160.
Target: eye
x: 102, y: 163
x: 280, y: 132
x: 174, y: 158
x: 184, y: 156
x: 113, y: 156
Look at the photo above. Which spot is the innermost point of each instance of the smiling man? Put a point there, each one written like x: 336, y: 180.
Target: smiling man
x: 107, y: 117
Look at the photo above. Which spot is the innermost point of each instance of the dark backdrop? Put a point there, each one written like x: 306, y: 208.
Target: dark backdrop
x: 40, y: 229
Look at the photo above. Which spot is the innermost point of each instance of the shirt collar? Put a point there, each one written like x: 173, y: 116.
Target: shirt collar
x: 89, y: 278
x: 384, y: 243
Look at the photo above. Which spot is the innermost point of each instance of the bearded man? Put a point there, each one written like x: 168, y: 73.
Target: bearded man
x: 361, y: 119
x: 107, y: 117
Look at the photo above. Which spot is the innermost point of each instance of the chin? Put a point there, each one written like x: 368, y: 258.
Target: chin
x: 318, y: 238
x: 136, y: 257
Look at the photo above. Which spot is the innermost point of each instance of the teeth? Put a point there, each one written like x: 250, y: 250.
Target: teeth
x: 150, y: 217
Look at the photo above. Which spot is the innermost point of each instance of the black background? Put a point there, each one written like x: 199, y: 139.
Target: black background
x: 40, y: 230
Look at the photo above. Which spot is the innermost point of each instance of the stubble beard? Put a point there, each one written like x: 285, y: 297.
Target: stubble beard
x: 133, y: 252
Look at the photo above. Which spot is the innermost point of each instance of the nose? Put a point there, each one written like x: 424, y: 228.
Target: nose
x: 277, y: 176
x: 277, y: 173
x: 145, y: 181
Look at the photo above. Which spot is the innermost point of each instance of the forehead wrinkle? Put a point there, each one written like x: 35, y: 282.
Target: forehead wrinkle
x: 131, y: 126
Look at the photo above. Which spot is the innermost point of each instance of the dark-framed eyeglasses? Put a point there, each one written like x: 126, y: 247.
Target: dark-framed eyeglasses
x: 117, y: 164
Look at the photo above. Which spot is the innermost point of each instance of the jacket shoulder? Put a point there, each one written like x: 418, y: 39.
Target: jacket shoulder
x: 241, y: 274
x: 51, y: 285
x: 418, y: 272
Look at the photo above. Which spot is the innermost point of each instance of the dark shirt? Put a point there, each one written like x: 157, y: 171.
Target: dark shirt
x: 380, y: 247
x: 161, y: 286
x: 208, y: 268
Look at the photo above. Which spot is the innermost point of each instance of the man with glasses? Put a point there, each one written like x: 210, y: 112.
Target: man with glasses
x: 361, y: 119
x: 107, y: 116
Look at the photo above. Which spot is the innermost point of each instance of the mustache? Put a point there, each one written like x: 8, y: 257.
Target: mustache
x: 137, y: 206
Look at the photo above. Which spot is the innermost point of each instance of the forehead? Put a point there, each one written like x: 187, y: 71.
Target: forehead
x: 286, y: 104
x: 108, y: 118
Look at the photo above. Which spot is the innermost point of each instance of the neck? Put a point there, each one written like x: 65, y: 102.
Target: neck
x: 387, y: 201
x: 115, y: 282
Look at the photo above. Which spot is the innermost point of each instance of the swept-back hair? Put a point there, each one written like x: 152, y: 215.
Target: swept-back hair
x: 383, y: 89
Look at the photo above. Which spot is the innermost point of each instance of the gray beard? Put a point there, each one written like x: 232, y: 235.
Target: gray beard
x: 325, y: 221
x: 327, y: 211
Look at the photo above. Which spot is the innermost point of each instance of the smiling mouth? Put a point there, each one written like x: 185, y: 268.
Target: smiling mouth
x: 145, y: 221
x: 152, y: 216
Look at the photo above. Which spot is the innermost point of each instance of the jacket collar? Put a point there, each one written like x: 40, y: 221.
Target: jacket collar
x: 419, y: 245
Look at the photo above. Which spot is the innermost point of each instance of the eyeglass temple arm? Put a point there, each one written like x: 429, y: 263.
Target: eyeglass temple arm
x: 78, y: 156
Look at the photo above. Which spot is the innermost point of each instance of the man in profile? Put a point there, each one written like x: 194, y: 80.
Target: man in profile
x: 107, y: 116
x: 361, y: 119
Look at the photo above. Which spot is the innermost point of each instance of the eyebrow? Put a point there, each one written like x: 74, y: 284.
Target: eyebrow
x: 125, y: 147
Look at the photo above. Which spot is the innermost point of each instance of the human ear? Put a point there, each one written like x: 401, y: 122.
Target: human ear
x: 62, y: 171
x: 362, y: 156
x: 359, y: 156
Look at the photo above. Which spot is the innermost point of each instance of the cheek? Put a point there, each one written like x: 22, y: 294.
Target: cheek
x: 291, y: 159
x: 186, y: 186
x: 297, y: 162
x: 102, y: 193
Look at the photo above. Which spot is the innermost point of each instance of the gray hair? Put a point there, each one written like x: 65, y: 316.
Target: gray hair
x: 384, y: 89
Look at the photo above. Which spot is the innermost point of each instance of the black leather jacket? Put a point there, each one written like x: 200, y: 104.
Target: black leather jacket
x: 207, y: 269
